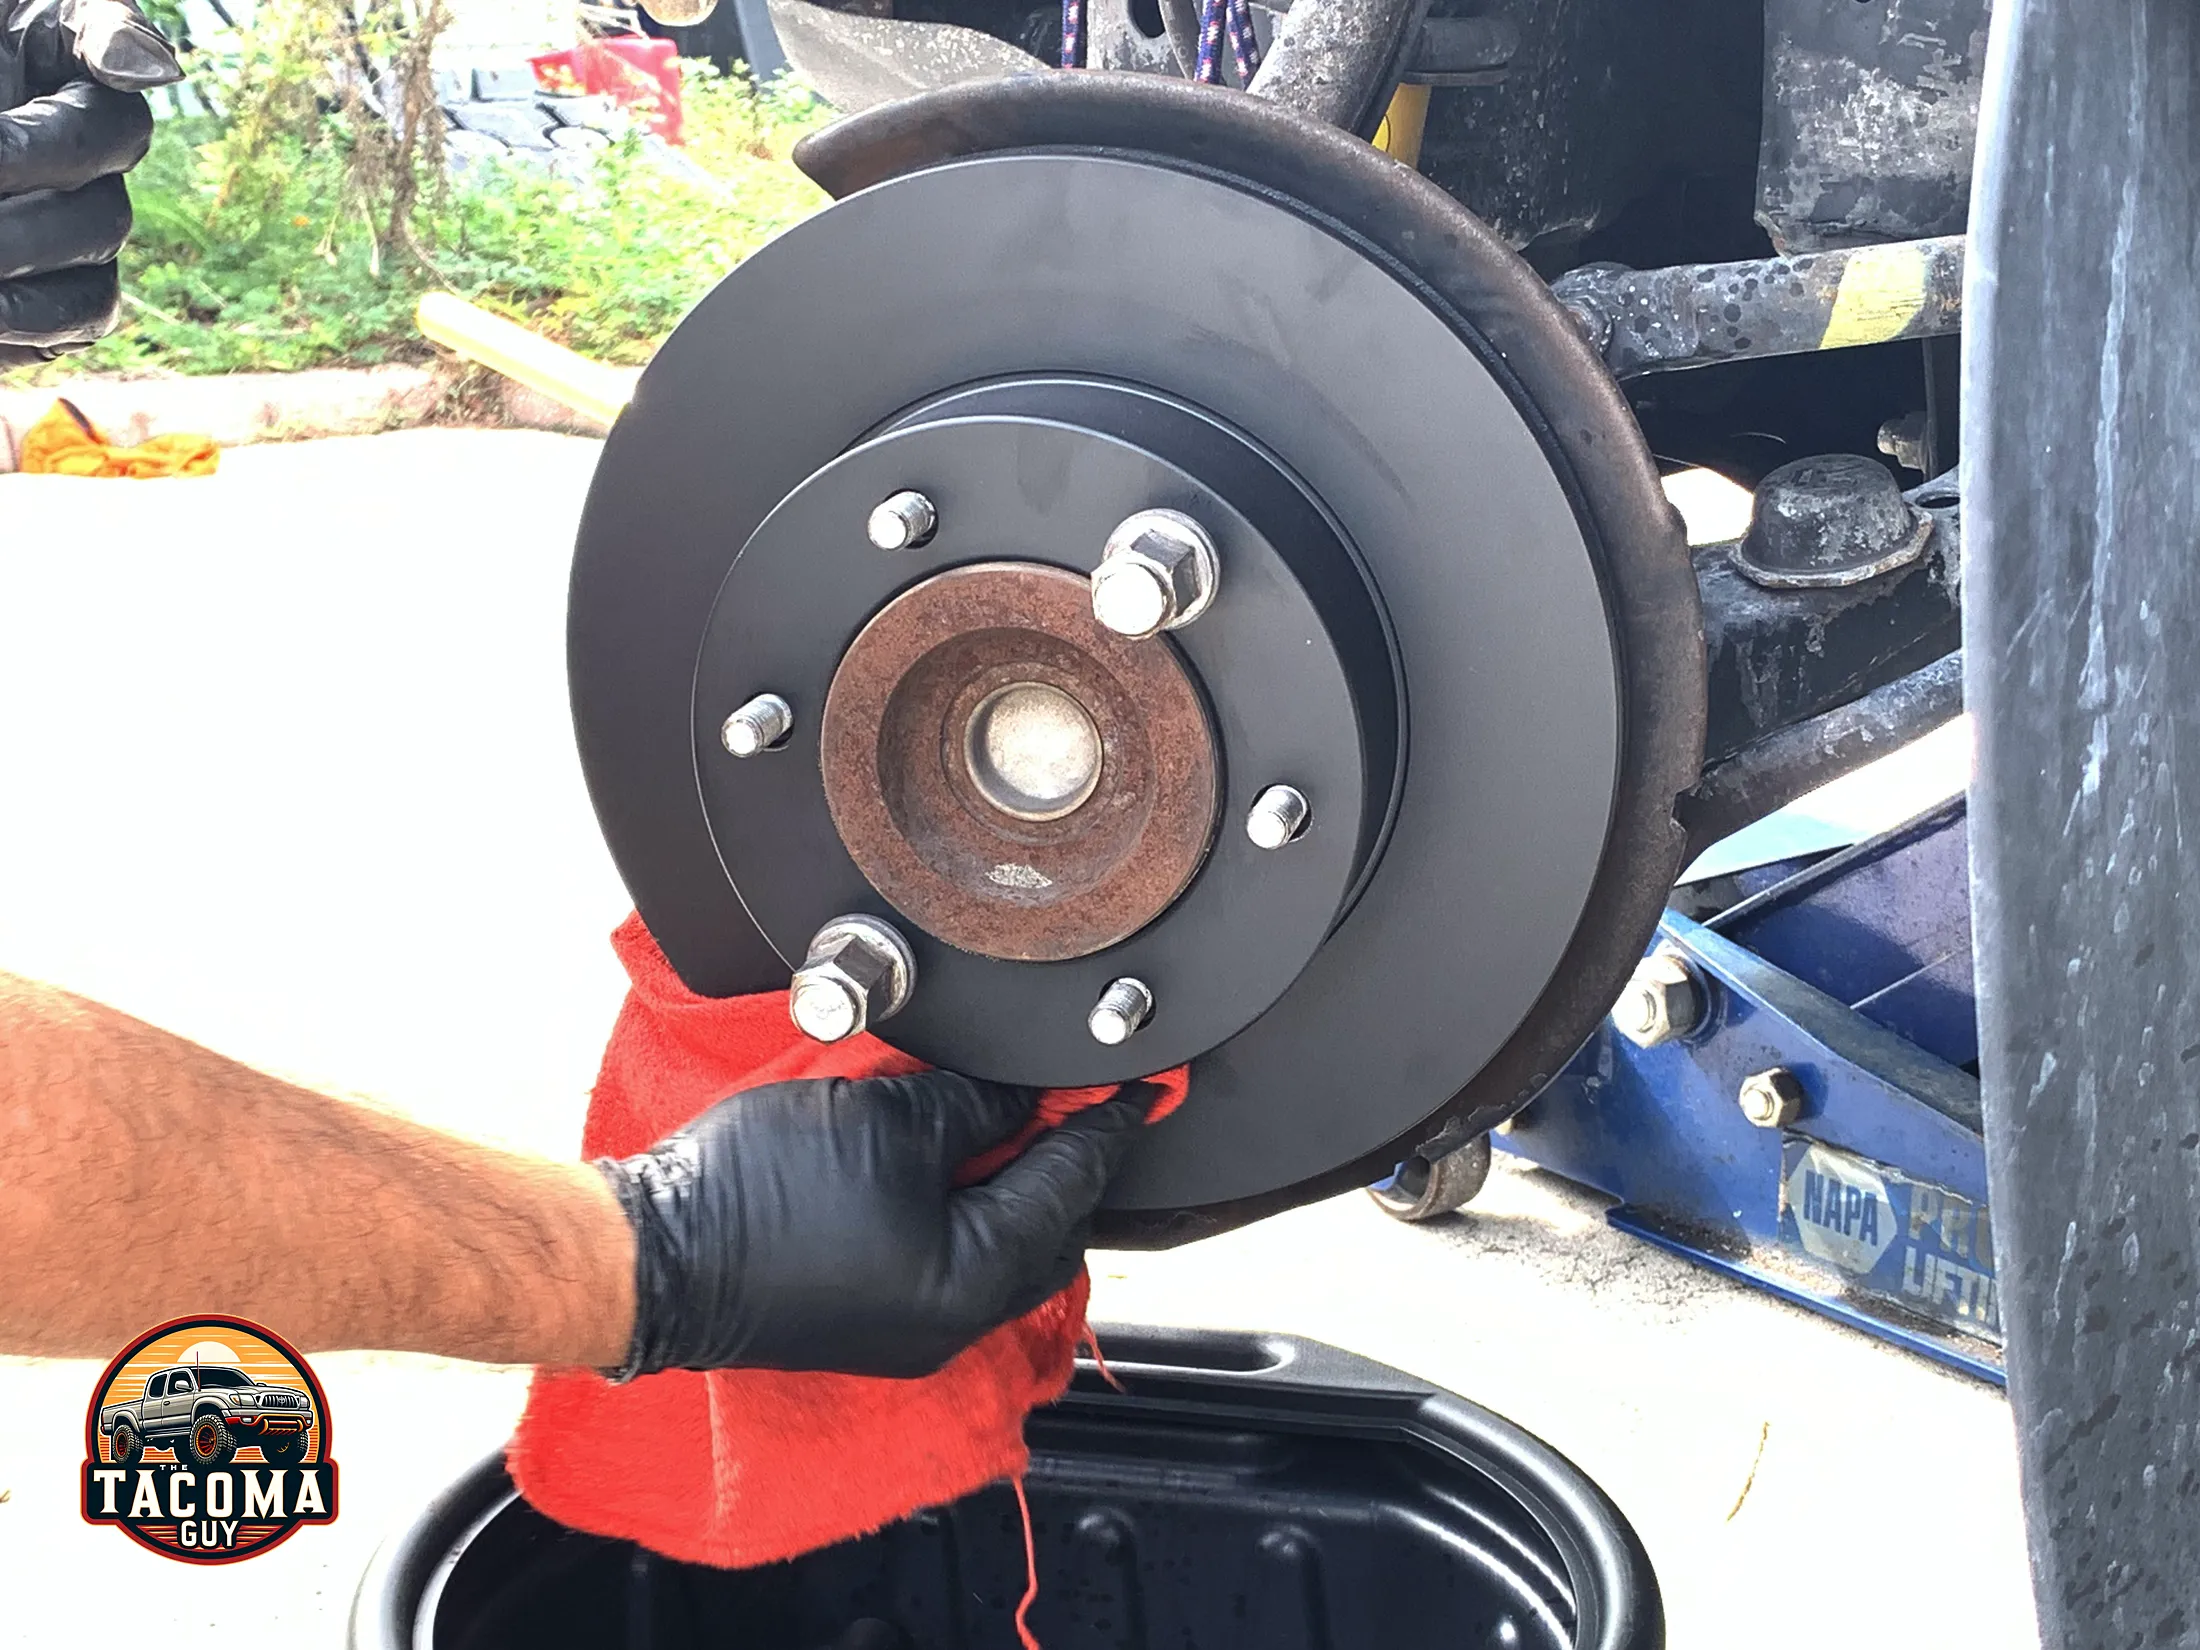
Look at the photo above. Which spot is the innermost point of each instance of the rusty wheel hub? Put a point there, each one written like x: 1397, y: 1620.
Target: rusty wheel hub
x: 1017, y: 780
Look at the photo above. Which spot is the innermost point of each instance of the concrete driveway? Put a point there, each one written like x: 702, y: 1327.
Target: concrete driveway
x: 287, y: 770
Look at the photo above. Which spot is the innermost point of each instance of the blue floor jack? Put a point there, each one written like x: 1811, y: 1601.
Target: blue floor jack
x: 1788, y: 1094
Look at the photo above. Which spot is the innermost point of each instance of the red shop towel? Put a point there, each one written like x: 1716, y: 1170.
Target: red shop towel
x: 742, y: 1467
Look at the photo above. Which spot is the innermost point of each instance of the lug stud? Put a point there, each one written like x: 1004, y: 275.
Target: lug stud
x: 1126, y: 1005
x: 760, y: 725
x: 1278, y: 816
x: 858, y: 972
x: 1159, y: 572
x: 903, y: 522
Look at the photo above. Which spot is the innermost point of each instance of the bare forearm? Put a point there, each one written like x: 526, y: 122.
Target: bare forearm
x: 144, y: 1177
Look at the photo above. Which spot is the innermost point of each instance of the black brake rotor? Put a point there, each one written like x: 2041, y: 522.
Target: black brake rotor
x: 1407, y: 372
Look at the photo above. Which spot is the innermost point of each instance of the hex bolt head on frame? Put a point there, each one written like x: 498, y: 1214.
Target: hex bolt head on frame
x: 1663, y: 1001
x: 760, y: 725
x: 858, y: 972
x: 1772, y: 1099
x: 904, y: 521
x: 1278, y: 816
x: 1126, y: 1005
x: 1159, y: 572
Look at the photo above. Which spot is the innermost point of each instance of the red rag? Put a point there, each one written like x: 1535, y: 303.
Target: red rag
x: 742, y: 1467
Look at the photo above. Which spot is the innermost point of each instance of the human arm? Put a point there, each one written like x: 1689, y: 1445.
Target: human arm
x: 73, y: 119
x: 143, y: 1177
x: 810, y: 1225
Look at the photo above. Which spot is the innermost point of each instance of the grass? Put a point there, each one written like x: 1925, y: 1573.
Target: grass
x: 607, y: 263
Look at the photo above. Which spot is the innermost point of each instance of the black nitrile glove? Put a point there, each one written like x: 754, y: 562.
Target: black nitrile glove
x: 72, y: 120
x: 817, y: 1225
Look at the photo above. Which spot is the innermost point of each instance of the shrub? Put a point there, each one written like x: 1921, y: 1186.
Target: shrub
x: 297, y: 229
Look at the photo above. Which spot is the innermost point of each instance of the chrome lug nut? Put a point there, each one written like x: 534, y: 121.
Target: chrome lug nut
x: 760, y: 725
x: 903, y: 522
x: 1278, y: 816
x: 858, y: 972
x: 1663, y: 1001
x: 1772, y: 1099
x: 1159, y: 572
x: 1126, y: 1005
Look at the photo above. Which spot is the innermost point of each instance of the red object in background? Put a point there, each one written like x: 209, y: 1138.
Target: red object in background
x: 642, y: 75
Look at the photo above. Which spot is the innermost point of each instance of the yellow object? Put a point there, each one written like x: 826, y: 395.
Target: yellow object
x: 1399, y: 136
x: 64, y: 443
x: 507, y: 347
x: 1882, y: 289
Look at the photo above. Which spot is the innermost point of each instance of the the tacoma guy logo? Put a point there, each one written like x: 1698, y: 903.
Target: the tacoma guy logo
x: 208, y: 1441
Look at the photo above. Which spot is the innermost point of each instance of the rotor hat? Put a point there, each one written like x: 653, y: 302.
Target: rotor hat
x: 1009, y: 781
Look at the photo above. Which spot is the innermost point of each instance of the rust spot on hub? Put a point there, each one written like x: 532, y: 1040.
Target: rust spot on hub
x: 963, y: 785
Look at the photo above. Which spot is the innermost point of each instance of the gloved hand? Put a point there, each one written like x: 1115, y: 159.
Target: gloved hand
x: 817, y: 1225
x: 72, y: 120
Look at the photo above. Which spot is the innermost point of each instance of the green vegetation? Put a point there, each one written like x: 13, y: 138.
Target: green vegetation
x: 300, y: 230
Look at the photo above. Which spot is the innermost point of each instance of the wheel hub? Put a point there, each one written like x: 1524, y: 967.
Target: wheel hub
x: 1018, y: 781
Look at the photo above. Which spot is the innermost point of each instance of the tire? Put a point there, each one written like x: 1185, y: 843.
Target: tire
x: 124, y: 1446
x: 1423, y: 1189
x: 284, y: 1452
x: 2081, y: 442
x: 207, y: 1444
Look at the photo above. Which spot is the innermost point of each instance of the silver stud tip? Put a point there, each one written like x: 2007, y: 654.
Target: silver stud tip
x: 902, y: 522
x: 1279, y: 815
x: 1158, y: 572
x: 1130, y: 600
x: 1126, y: 1005
x: 858, y: 972
x: 827, y: 1010
x: 760, y: 725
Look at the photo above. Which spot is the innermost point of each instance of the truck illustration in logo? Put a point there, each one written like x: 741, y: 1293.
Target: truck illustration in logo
x: 202, y: 1412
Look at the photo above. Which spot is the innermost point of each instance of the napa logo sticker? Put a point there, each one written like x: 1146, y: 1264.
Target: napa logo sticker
x: 208, y: 1442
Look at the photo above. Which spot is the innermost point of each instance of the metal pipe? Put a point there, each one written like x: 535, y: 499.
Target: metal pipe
x: 1766, y: 776
x: 1692, y: 315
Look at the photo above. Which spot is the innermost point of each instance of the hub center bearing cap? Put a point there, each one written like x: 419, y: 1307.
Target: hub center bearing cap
x: 1082, y: 611
x: 1032, y: 751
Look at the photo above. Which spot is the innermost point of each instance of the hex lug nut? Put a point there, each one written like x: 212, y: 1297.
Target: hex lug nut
x: 1772, y: 1099
x: 1278, y: 817
x: 858, y: 972
x: 1159, y: 572
x: 904, y: 521
x: 1663, y: 1001
x: 760, y: 725
x: 1126, y: 1005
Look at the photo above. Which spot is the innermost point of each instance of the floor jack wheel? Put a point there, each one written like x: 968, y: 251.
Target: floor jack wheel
x: 1422, y: 1188
x: 1146, y: 579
